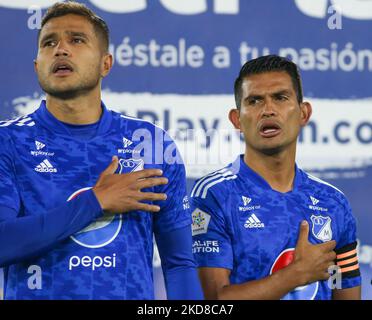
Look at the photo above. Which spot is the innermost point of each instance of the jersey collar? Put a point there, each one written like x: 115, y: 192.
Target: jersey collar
x: 247, y: 174
x: 53, y: 124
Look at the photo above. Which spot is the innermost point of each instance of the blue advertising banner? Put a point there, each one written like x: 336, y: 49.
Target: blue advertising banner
x: 176, y: 62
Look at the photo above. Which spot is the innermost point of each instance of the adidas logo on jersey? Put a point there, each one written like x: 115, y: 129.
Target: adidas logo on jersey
x: 45, y: 166
x: 253, y: 222
x: 126, y: 142
x: 246, y: 200
x: 315, y: 201
x: 39, y: 145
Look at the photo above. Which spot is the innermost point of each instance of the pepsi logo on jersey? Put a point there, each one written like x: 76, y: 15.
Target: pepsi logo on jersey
x: 92, y: 263
x: 101, y: 232
x: 307, y: 292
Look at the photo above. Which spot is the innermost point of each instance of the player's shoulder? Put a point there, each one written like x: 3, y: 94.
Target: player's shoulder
x: 325, y: 188
x: 15, y: 127
x: 214, y: 184
x: 26, y: 121
x: 134, y: 123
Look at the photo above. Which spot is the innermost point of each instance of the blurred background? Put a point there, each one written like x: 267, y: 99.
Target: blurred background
x: 175, y: 64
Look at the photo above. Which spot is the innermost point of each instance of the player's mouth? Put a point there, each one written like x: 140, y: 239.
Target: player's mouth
x: 62, y: 69
x: 269, y: 129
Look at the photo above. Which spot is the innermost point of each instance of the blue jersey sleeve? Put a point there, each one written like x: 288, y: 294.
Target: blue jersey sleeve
x: 174, y: 212
x: 212, y: 244
x: 23, y: 237
x: 26, y: 237
x: 346, y: 250
x: 178, y: 264
x: 9, y: 196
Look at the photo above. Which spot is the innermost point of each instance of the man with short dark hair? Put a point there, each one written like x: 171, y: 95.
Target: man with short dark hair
x: 251, y: 219
x: 72, y: 224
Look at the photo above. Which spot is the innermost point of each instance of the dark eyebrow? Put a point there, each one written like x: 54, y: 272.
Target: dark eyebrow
x: 256, y: 96
x: 76, y: 33
x: 48, y: 36
x: 280, y: 92
x: 253, y: 96
x: 70, y: 33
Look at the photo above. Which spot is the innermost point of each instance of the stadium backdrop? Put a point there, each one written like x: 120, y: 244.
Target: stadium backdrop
x: 175, y: 63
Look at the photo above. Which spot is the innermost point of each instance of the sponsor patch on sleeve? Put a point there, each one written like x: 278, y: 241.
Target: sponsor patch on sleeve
x: 200, y: 222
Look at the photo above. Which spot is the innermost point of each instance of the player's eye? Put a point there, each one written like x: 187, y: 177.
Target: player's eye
x: 254, y: 101
x: 49, y: 43
x: 281, y: 97
x: 78, y: 40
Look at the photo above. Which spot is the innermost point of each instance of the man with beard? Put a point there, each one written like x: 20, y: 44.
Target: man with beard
x: 251, y: 219
x: 72, y: 224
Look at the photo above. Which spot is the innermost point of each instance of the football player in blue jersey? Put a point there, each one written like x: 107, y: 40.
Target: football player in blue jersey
x: 84, y: 189
x: 262, y: 227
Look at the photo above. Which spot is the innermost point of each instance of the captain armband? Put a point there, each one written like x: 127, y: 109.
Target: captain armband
x: 347, y: 260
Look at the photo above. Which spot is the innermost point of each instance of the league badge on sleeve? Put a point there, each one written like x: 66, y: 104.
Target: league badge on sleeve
x: 200, y: 222
x: 321, y: 228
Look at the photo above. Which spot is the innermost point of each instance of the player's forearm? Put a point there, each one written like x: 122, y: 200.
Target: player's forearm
x: 179, y: 267
x: 183, y: 284
x: 273, y: 287
x: 347, y: 294
x: 25, y: 237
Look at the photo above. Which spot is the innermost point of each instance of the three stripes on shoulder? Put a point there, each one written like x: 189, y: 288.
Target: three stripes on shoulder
x: 20, y: 122
x: 204, y: 184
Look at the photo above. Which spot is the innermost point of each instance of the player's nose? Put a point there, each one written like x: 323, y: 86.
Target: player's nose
x: 268, y: 108
x: 61, y: 49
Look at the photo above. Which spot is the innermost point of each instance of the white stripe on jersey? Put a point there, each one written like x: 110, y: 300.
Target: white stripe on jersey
x: 143, y: 120
x: 20, y: 121
x: 48, y: 164
x: 214, y: 174
x: 203, y: 196
x: 210, y: 180
x: 321, y: 181
x: 255, y: 218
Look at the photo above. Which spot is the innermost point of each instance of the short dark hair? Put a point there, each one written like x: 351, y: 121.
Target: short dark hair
x: 268, y: 64
x: 60, y: 9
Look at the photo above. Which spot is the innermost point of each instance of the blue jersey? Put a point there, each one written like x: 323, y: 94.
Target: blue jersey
x: 58, y: 230
x: 241, y: 224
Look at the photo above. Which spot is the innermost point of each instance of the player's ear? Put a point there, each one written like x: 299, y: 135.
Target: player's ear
x: 107, y: 61
x: 306, y: 112
x: 234, y: 117
x: 35, y: 65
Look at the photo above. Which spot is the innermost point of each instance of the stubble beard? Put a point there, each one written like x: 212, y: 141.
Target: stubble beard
x: 268, y: 150
x: 84, y: 86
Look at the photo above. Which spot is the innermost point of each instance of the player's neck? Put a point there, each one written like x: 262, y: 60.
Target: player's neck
x: 278, y: 170
x: 80, y: 110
